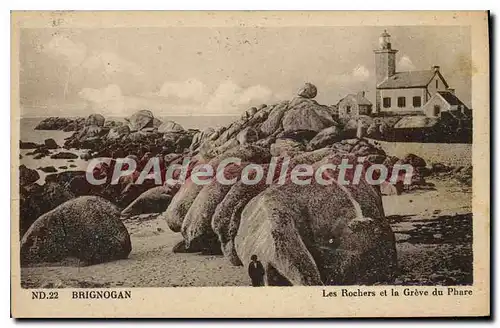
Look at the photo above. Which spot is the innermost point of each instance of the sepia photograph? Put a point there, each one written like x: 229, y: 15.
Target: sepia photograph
x: 248, y: 155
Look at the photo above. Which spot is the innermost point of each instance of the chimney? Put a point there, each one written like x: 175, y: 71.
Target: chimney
x: 435, y: 68
x: 361, y: 93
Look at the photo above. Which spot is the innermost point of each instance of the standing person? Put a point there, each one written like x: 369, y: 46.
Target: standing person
x: 256, y: 272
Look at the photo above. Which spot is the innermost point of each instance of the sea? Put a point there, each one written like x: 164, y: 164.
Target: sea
x: 29, y: 134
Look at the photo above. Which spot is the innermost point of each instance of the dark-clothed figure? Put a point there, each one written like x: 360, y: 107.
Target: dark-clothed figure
x: 256, y: 272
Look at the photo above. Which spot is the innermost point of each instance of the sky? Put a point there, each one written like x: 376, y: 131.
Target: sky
x: 219, y: 71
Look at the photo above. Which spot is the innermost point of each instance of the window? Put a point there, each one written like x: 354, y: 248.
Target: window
x: 437, y: 110
x: 437, y: 84
x: 386, y: 102
x: 348, y: 109
x: 417, y: 101
x: 401, y: 102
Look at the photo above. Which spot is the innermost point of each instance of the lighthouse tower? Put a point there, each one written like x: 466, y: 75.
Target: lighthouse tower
x: 385, y: 62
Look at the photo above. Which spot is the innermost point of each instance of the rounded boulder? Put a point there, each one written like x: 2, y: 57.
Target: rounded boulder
x: 87, y: 228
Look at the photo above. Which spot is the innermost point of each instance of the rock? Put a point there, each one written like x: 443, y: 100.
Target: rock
x: 63, y: 178
x: 439, y: 167
x: 308, y: 91
x: 302, y: 136
x: 118, y: 132
x: 227, y: 215
x: 286, y: 147
x: 196, y: 226
x: 37, y: 200
x: 154, y: 200
x: 95, y: 119
x: 156, y: 123
x: 80, y: 186
x: 273, y: 121
x: 54, y: 123
x: 140, y: 120
x: 184, y: 198
x: 27, y: 145
x: 390, y: 161
x: 112, y: 124
x: 325, y: 137
x: 39, y: 156
x: 306, y: 114
x: 27, y: 176
x: 247, y: 135
x: 311, y: 157
x: 72, y: 165
x: 86, y: 156
x: 51, y: 144
x: 88, y: 228
x: 376, y: 158
x: 180, y: 204
x: 170, y: 126
x: 63, y: 167
x: 315, y: 235
x: 75, y: 125
x: 64, y: 155
x: 48, y: 169
x: 200, y: 137
x: 413, y: 160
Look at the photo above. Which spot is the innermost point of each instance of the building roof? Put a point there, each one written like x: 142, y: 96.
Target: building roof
x: 359, y: 99
x: 416, y: 122
x: 451, y: 99
x: 410, y: 79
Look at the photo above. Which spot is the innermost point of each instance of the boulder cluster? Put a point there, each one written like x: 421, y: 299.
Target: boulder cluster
x: 304, y: 235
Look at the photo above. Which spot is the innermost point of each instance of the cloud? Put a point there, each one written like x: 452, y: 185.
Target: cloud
x: 107, y: 100
x: 360, y: 73
x: 110, y: 63
x: 62, y: 47
x: 190, y: 89
x: 405, y: 64
x: 227, y: 98
x: 254, y: 94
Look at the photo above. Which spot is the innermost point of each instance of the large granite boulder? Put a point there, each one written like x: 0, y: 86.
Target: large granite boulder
x: 169, y: 126
x: 87, y: 228
x: 307, y: 114
x: 325, y: 138
x: 140, y: 120
x: 318, y: 234
x: 95, y: 119
x: 309, y: 90
x: 154, y: 200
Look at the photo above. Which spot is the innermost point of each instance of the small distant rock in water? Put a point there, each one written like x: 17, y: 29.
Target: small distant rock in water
x: 51, y: 144
x: 63, y: 167
x: 309, y: 90
x: 48, y: 169
x: 60, y: 123
x: 27, y: 145
x: 72, y: 165
x: 64, y: 155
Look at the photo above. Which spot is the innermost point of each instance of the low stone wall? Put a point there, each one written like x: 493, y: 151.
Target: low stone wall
x: 451, y: 154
